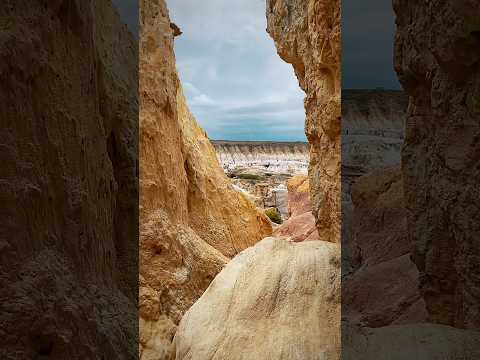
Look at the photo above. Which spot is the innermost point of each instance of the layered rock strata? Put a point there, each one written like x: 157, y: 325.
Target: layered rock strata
x: 307, y: 35
x: 277, y: 157
x: 277, y: 299
x: 192, y: 220
x: 437, y: 59
x: 372, y: 131
x: 68, y: 248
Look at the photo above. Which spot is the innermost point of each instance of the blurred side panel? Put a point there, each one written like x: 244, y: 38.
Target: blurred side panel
x: 68, y: 185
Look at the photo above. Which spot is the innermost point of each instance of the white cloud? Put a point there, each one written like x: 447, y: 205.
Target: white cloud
x: 202, y: 100
x: 231, y: 72
x: 190, y: 89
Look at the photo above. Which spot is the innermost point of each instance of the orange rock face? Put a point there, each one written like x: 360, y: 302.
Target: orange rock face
x: 307, y: 35
x: 301, y: 224
x: 298, y: 195
x: 192, y: 220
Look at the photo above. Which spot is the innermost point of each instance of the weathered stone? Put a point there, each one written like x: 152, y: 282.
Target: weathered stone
x: 416, y: 341
x: 301, y: 224
x: 380, y: 282
x: 277, y: 299
x: 379, y: 228
x: 307, y: 35
x: 437, y: 60
x: 192, y: 219
x: 298, y: 195
x: 69, y: 109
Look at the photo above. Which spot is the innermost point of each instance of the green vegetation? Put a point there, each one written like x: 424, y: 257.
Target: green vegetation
x: 274, y: 215
x: 249, y: 177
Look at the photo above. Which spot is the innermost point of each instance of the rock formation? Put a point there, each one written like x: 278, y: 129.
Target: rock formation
x: 69, y: 108
x: 372, y: 131
x: 298, y: 189
x: 276, y: 157
x: 372, y: 137
x: 192, y: 220
x: 307, y: 35
x: 379, y: 281
x: 416, y: 341
x: 437, y: 60
x: 276, y: 300
x: 379, y: 221
x: 301, y: 224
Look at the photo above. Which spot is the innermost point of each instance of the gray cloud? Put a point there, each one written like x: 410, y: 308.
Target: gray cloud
x: 235, y: 83
x: 368, y: 29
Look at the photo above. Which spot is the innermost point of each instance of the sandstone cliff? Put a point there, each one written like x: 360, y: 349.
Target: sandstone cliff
x: 275, y: 300
x: 437, y: 59
x: 68, y: 93
x: 307, y: 35
x: 274, y: 156
x: 192, y: 220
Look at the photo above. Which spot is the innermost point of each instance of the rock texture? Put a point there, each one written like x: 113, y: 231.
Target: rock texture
x: 298, y: 189
x: 379, y: 220
x: 437, y: 59
x: 301, y: 224
x: 307, y: 35
x: 276, y: 300
x: 68, y: 248
x: 192, y: 220
x: 380, y: 282
x: 286, y: 157
x: 416, y: 341
x: 372, y: 131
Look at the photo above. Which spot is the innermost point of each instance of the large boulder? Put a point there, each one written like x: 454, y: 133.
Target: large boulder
x: 277, y: 299
x: 383, y: 294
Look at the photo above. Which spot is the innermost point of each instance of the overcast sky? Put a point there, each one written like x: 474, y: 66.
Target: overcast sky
x: 368, y: 28
x: 236, y: 85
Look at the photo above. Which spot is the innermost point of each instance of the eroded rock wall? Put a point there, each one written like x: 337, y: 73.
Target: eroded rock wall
x: 307, y: 35
x: 68, y: 93
x: 192, y: 220
x: 379, y: 281
x: 437, y: 59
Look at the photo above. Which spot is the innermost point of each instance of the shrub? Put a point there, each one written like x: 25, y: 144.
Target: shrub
x: 274, y: 215
x: 249, y: 177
